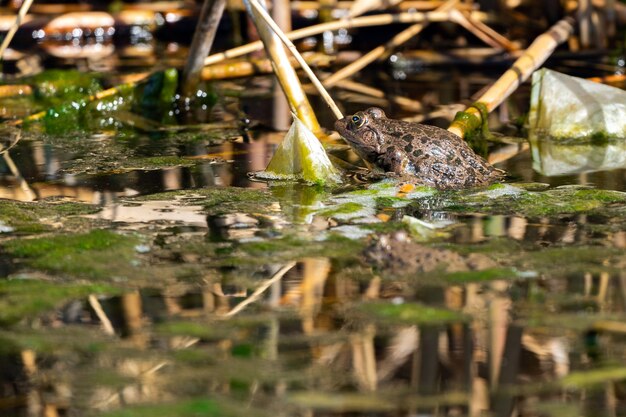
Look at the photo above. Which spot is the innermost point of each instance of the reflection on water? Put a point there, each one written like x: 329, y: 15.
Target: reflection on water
x: 260, y: 307
x: 58, y: 171
x: 608, y: 173
x: 551, y: 157
x: 299, y: 345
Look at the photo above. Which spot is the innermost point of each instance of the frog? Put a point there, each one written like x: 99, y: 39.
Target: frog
x: 417, y: 153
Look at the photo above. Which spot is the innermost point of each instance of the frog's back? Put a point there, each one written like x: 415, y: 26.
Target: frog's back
x: 444, y: 160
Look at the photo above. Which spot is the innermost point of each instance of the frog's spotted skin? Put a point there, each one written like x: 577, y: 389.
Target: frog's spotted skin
x: 428, y: 155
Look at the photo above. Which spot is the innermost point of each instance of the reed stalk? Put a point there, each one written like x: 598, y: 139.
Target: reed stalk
x: 252, y: 66
x: 18, y: 21
x: 360, y: 7
x: 383, y: 51
x: 283, y: 70
x: 404, y: 102
x: 203, y: 37
x: 376, y: 20
x: 281, y: 35
x: 497, y: 42
x: 535, y: 55
x: 480, y: 26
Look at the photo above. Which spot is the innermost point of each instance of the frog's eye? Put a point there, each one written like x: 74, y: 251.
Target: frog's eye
x: 357, y: 120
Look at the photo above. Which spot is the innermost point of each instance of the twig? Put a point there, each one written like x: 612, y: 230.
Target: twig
x: 97, y: 308
x: 503, y: 41
x: 201, y: 44
x: 376, y: 20
x: 268, y: 19
x: 383, y: 50
x: 404, y: 102
x: 30, y: 194
x: 462, y: 20
x: 18, y: 21
x: 531, y: 59
x: 17, y: 135
x: 255, y: 295
x: 360, y: 7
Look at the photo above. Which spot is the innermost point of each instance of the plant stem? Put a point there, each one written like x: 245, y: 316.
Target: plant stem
x: 531, y: 59
x: 203, y: 37
x: 376, y: 20
x: 18, y: 21
x: 283, y: 70
x: 316, y: 82
x: 382, y: 50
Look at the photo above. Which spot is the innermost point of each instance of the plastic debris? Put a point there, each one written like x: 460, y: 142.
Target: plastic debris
x: 565, y: 107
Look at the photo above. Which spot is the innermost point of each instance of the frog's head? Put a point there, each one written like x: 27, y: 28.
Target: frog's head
x: 363, y: 132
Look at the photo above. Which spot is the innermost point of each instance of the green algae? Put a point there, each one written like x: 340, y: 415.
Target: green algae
x: 386, y: 227
x: 567, y: 259
x: 582, y: 379
x: 116, y: 160
x: 21, y: 299
x: 346, y: 402
x: 345, y: 208
x: 512, y: 200
x: 291, y: 247
x: 65, y: 118
x: 186, y: 328
x: 496, y: 186
x: 388, y: 202
x: 219, y: 200
x: 98, y: 254
x: 489, y: 274
x: 410, y: 313
x: 200, y: 407
x: 557, y: 409
x: 51, y: 86
x: 157, y: 95
x: 157, y: 162
x: 65, y: 94
x: 16, y: 337
x: 373, y: 402
x: 27, y: 217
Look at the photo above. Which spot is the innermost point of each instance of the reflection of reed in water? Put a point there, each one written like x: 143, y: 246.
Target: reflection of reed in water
x: 486, y: 358
x: 43, y: 175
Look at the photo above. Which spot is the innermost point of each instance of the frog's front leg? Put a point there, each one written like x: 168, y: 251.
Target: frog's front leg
x: 394, y: 160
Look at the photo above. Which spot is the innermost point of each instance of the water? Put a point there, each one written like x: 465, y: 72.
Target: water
x: 184, y: 287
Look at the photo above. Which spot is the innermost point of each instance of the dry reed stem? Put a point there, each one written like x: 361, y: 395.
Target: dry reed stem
x: 284, y: 72
x: 18, y: 21
x: 203, y: 37
x: 260, y: 290
x: 252, y: 66
x: 360, y: 7
x: 502, y: 40
x: 316, y: 82
x: 97, y: 308
x: 461, y: 19
x: 534, y: 56
x: 377, y: 20
x: 404, y: 102
x: 383, y: 50
x: 30, y: 194
x: 405, y: 5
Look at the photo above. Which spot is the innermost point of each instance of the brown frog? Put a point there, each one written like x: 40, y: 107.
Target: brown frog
x: 419, y: 153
